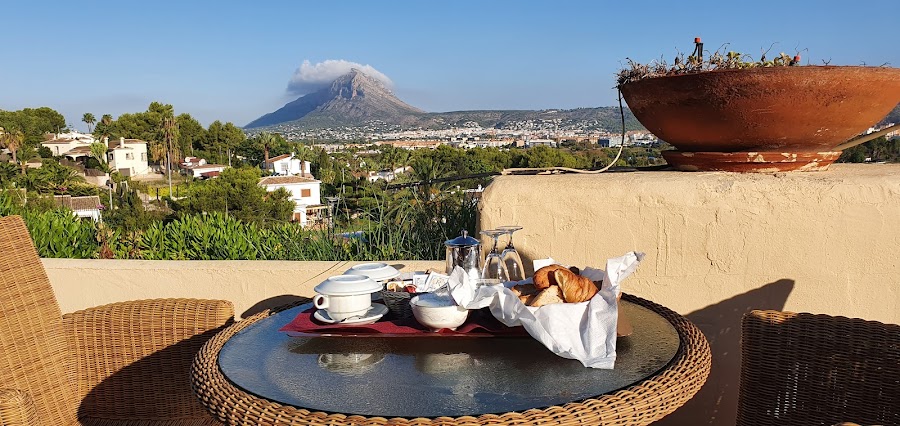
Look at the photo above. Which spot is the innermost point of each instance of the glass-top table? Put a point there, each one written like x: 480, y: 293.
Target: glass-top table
x: 512, y: 371
x: 433, y: 376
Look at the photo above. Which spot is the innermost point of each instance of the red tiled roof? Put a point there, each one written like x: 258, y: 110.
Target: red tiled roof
x: 280, y: 157
x: 205, y: 166
x: 90, y: 202
x: 280, y: 180
x: 86, y: 150
x: 114, y: 144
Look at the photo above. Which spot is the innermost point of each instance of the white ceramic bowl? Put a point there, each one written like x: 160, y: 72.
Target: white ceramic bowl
x: 374, y: 270
x: 437, y: 313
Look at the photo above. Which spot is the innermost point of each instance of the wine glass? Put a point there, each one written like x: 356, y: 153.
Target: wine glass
x: 510, y: 255
x: 493, y: 263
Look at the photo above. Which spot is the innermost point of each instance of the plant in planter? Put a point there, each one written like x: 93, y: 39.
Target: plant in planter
x: 728, y: 112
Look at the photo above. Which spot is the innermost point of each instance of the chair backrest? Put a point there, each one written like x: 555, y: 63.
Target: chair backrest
x: 33, y: 352
x: 806, y: 369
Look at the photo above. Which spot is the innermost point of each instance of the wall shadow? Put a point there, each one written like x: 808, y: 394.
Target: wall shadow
x: 154, y: 388
x: 274, y: 302
x: 716, y: 402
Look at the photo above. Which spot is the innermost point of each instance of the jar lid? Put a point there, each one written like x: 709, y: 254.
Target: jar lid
x: 347, y: 285
x: 463, y: 240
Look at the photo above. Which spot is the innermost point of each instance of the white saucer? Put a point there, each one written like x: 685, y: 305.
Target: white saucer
x: 372, y: 315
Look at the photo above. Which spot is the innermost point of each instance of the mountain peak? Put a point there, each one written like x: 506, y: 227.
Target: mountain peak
x: 352, y: 98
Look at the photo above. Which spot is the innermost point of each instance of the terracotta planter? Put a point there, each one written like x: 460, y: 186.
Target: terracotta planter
x: 785, y: 115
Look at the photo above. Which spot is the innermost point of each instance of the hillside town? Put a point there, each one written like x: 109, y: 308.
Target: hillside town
x: 526, y: 130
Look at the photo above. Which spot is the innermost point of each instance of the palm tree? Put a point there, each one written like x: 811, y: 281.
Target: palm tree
x: 266, y: 139
x: 170, y: 140
x: 89, y: 119
x: 12, y: 140
x: 426, y: 169
x: 103, y: 127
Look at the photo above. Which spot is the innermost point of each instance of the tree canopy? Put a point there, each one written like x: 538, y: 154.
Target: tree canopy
x: 237, y: 192
x: 33, y: 123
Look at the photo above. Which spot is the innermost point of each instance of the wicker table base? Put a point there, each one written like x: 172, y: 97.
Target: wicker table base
x: 640, y: 404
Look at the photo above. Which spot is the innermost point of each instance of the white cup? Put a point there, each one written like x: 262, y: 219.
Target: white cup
x: 345, y: 296
x: 342, y: 307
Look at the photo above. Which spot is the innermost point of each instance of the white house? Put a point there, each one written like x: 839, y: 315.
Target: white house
x: 305, y: 192
x: 200, y: 169
x: 288, y: 165
x: 127, y: 156
x: 82, y: 207
x: 387, y: 175
x: 61, y: 143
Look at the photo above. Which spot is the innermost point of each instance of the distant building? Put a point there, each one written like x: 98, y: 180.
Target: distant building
x: 200, y: 169
x: 82, y: 207
x: 535, y: 142
x: 413, y: 145
x: 127, y: 156
x: 288, y: 165
x: 306, y: 194
x: 387, y: 175
x: 61, y: 143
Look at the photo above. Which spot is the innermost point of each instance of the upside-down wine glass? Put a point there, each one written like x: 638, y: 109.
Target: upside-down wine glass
x: 493, y: 263
x: 510, y: 255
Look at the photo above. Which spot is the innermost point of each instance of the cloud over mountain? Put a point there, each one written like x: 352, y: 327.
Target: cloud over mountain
x: 309, y: 78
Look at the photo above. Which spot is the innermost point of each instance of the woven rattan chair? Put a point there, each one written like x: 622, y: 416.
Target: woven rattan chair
x: 640, y: 404
x: 120, y: 364
x: 805, y: 369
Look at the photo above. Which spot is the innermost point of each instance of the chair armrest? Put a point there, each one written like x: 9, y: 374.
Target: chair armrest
x: 133, y: 359
x: 16, y: 408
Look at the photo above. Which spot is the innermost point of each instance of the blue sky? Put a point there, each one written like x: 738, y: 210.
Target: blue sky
x: 232, y: 61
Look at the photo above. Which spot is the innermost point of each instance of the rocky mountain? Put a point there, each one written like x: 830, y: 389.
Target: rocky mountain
x: 357, y: 100
x: 353, y: 98
x: 893, y: 116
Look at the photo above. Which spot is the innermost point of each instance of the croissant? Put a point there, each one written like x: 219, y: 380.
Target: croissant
x: 575, y: 288
x: 542, y: 277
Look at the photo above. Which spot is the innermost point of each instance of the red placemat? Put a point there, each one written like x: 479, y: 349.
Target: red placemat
x: 479, y: 324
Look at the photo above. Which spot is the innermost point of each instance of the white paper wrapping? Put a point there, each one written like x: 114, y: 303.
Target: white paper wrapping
x: 584, y: 331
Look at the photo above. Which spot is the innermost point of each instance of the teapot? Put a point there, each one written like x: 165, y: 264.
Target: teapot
x: 465, y: 252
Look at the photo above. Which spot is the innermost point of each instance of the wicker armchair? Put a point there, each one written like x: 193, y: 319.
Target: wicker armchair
x: 124, y: 363
x: 805, y: 369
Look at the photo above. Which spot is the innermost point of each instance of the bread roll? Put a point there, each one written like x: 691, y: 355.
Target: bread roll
x: 542, y: 277
x: 549, y: 295
x: 524, y: 290
x: 575, y: 288
x: 527, y: 300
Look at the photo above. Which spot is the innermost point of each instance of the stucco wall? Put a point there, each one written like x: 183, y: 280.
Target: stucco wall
x: 720, y: 244
x: 250, y: 285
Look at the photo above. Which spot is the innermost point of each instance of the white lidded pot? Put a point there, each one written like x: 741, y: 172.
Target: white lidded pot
x: 345, y: 296
x: 374, y: 270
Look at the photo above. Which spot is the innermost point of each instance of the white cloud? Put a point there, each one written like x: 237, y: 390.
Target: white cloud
x: 309, y: 78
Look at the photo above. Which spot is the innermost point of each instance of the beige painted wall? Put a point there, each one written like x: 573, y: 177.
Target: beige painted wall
x: 720, y: 244
x: 250, y: 285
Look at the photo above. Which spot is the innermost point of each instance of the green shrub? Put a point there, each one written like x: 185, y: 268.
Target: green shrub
x: 405, y: 228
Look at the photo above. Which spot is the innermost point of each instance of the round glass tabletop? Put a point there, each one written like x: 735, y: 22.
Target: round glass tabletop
x: 433, y: 376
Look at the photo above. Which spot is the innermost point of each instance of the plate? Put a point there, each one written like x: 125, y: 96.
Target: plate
x: 372, y: 315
